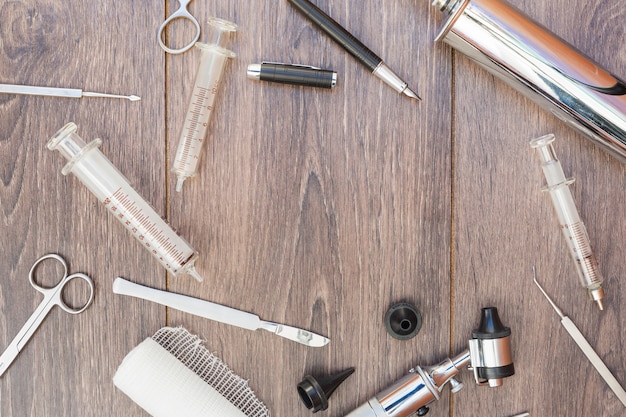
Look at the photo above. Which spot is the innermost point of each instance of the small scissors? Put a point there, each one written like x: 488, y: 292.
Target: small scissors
x: 51, y: 297
x: 181, y: 13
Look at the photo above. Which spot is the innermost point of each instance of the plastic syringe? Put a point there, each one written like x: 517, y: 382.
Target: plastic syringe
x: 213, y: 60
x: 573, y: 229
x: 104, y: 180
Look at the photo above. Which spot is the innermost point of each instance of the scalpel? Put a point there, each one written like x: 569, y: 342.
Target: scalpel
x: 216, y: 312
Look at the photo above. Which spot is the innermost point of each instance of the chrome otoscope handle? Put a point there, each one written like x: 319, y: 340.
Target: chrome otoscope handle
x: 489, y: 356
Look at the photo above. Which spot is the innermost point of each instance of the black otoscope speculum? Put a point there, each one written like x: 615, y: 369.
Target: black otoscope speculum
x: 488, y: 356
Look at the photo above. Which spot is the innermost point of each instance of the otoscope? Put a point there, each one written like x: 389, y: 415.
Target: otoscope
x: 488, y: 356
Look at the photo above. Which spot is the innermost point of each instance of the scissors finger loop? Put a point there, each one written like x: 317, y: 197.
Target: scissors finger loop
x: 32, y: 273
x: 61, y: 302
x: 181, y: 13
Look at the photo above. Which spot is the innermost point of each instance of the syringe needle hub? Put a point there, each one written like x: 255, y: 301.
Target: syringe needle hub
x: 600, y: 303
x: 179, y: 183
x: 191, y: 271
x: 574, y: 231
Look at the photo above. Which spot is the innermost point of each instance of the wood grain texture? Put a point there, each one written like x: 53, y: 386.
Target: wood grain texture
x: 309, y: 200
x: 504, y: 225
x: 314, y: 208
x: 67, y: 367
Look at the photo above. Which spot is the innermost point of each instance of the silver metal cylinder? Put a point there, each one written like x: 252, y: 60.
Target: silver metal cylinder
x: 407, y: 395
x: 491, y: 360
x: 541, y: 66
x: 415, y: 390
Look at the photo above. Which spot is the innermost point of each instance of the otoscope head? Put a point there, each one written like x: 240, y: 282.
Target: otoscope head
x: 490, y: 350
x: 490, y: 326
x: 489, y: 356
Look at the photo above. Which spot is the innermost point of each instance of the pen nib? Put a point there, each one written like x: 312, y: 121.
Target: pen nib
x: 409, y: 93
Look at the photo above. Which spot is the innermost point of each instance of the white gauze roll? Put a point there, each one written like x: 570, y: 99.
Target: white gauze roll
x: 172, y: 374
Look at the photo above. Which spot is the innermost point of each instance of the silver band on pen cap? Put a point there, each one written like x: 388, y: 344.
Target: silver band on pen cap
x: 295, y: 74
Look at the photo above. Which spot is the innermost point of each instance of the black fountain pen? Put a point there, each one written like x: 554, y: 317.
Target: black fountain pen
x: 353, y: 46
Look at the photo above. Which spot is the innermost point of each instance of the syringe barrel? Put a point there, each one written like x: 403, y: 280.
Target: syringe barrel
x: 556, y: 183
x: 213, y: 58
x: 571, y: 225
x: 111, y: 188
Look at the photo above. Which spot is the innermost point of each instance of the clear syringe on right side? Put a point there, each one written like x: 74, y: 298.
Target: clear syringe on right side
x: 573, y: 229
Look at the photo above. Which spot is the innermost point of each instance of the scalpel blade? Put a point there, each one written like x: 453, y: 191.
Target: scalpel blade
x: 293, y: 333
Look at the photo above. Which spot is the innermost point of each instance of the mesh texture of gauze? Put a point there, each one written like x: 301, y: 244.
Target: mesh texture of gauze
x: 172, y: 374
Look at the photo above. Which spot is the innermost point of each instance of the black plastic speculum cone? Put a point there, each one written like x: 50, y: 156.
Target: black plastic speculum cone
x: 315, y: 392
x: 491, y: 326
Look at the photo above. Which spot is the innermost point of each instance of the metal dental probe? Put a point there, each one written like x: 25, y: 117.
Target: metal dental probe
x: 582, y: 343
x: 57, y: 92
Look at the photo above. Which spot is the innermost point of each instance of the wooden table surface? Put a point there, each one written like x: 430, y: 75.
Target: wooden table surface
x: 312, y: 207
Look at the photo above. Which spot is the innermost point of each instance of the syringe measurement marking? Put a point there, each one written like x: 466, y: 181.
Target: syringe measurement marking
x: 193, y: 124
x: 579, y: 238
x: 582, y: 249
x: 149, y: 230
x: 144, y: 222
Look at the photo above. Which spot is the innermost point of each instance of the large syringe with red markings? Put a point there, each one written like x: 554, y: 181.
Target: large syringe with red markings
x: 112, y: 189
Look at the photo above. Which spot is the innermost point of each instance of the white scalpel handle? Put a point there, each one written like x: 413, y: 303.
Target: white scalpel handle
x: 595, y: 360
x: 195, y: 306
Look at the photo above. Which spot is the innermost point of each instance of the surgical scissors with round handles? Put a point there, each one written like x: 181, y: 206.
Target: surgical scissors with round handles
x: 52, y: 296
x: 181, y: 13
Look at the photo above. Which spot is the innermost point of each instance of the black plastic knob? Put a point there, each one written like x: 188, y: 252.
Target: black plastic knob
x: 403, y: 321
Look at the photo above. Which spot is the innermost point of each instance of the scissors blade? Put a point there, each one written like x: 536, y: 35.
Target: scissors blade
x: 293, y: 333
x: 8, y: 356
x: 31, y: 326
